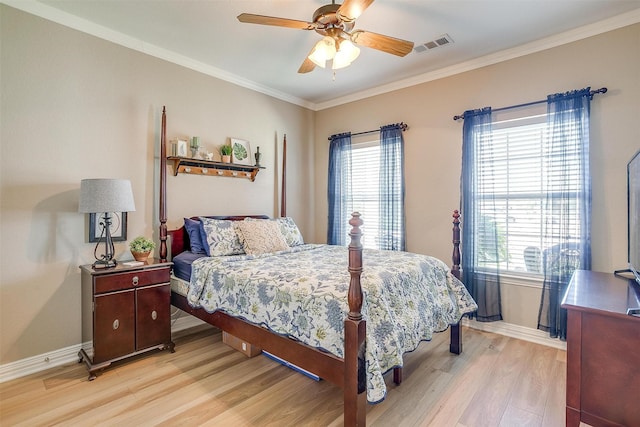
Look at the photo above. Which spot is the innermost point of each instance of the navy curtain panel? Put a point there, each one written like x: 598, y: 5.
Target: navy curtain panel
x: 339, y: 188
x: 391, y: 230
x: 477, y: 196
x: 567, y: 204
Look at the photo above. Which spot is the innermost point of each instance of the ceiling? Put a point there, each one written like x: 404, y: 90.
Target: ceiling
x: 205, y: 35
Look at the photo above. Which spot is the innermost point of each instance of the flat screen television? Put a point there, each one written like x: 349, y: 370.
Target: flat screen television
x: 633, y: 206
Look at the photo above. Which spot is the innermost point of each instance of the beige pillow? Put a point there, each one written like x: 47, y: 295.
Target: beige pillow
x: 260, y: 237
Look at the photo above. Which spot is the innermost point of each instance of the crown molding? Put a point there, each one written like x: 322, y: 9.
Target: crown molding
x: 63, y: 18
x: 560, y: 39
x: 68, y: 20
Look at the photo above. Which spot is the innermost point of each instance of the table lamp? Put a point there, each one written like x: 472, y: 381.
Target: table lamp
x: 101, y: 197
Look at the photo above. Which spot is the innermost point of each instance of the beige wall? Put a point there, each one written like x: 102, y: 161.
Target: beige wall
x: 74, y: 107
x: 433, y: 142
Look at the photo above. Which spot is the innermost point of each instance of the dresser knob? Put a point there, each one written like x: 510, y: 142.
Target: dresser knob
x: 154, y: 315
x: 135, y: 280
x: 116, y: 324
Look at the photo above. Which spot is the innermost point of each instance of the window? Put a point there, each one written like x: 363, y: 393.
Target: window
x: 513, y: 161
x: 526, y: 201
x: 365, y: 172
x: 368, y: 178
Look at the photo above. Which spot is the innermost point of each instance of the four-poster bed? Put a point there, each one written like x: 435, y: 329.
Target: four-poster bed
x: 349, y: 371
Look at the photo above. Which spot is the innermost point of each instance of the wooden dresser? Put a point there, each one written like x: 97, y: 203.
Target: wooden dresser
x: 603, y: 350
x: 127, y: 312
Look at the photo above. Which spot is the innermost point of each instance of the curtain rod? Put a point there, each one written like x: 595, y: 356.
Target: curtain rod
x: 403, y: 126
x: 591, y: 93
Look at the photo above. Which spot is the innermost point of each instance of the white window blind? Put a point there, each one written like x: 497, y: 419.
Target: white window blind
x: 516, y: 163
x: 365, y: 167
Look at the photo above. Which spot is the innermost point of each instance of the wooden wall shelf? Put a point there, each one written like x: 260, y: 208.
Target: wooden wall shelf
x: 211, y: 168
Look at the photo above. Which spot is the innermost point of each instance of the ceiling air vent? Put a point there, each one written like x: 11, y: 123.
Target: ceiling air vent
x: 442, y: 40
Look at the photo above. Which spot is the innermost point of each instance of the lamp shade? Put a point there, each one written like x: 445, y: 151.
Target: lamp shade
x: 106, y: 195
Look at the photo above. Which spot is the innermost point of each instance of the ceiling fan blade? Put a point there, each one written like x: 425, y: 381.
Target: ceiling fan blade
x: 307, y: 66
x: 386, y: 44
x: 351, y: 9
x: 249, y: 18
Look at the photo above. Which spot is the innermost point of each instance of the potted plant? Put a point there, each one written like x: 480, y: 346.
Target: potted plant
x: 225, y: 153
x: 141, y: 247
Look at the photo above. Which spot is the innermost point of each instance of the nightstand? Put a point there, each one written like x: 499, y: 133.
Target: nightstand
x: 126, y: 312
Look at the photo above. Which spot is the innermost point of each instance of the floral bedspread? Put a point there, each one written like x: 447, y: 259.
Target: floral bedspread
x: 302, y: 293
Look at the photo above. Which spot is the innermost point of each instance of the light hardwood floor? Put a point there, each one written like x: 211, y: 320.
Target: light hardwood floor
x: 497, y: 381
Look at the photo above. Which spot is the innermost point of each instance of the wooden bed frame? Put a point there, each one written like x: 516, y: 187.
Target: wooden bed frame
x: 349, y: 372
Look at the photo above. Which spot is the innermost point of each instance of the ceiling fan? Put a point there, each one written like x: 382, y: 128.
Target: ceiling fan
x: 335, y: 23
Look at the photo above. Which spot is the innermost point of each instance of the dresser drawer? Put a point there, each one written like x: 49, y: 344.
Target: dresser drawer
x: 115, y: 282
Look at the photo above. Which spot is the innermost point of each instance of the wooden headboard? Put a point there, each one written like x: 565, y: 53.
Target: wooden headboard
x: 180, y: 238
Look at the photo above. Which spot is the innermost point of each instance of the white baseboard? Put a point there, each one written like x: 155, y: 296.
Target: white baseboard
x: 40, y: 362
x: 63, y: 356
x: 516, y: 331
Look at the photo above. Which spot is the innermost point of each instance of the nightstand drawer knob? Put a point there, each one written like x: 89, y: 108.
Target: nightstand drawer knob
x: 154, y: 315
x: 116, y: 324
x: 135, y: 280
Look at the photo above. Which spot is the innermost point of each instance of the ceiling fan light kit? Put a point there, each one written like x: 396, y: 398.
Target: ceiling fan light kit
x: 335, y: 22
x: 323, y: 51
x: 347, y: 53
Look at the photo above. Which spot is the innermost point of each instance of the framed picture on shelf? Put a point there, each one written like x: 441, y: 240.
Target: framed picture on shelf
x: 181, y: 148
x: 118, y: 227
x: 241, y: 152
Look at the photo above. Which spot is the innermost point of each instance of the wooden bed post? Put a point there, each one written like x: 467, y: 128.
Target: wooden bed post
x: 355, y: 397
x: 163, y: 188
x: 283, y: 194
x: 455, y: 268
x: 455, y: 345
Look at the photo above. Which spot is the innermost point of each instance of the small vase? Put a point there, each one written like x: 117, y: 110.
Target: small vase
x: 141, y: 256
x: 257, y: 156
x: 195, y: 146
x: 226, y: 159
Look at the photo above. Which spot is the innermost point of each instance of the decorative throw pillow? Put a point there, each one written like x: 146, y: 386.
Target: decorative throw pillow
x: 288, y: 228
x: 195, y: 237
x: 262, y: 236
x: 221, y: 237
x: 290, y: 231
